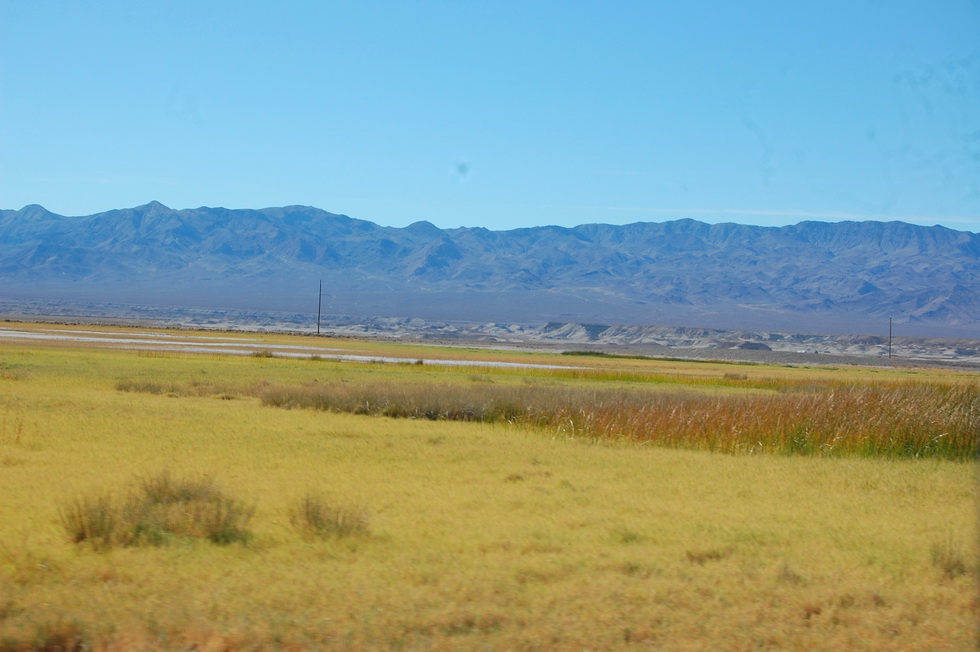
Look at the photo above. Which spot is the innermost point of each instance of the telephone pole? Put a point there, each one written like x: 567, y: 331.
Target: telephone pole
x: 889, y: 338
x: 319, y: 305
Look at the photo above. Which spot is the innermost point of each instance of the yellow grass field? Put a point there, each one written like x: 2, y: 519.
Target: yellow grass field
x: 500, y: 535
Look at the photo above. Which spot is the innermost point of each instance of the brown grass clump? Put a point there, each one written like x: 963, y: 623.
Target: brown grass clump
x: 92, y: 519
x: 67, y: 636
x: 314, y: 517
x: 948, y: 556
x: 162, y: 508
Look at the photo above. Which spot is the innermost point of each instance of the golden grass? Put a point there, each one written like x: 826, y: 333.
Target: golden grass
x: 897, y: 420
x: 482, y: 535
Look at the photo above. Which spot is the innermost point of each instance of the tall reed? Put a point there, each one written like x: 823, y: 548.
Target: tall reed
x: 894, y: 420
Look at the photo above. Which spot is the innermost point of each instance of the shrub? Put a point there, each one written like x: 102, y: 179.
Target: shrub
x: 316, y: 518
x: 90, y: 519
x: 948, y: 557
x: 165, y: 507
x: 194, y: 387
x: 144, y: 386
x: 160, y: 509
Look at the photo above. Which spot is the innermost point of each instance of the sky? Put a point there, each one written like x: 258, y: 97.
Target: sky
x: 497, y: 114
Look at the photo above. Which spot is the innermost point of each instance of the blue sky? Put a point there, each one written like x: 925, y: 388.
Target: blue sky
x: 497, y: 114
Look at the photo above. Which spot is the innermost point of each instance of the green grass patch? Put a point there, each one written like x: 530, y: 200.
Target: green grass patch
x: 605, y: 354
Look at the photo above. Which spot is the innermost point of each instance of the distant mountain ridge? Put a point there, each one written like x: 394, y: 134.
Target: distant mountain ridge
x: 840, y: 277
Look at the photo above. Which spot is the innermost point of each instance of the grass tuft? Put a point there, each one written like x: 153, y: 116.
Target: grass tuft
x: 93, y: 519
x: 947, y: 555
x: 144, y: 386
x: 701, y: 557
x: 314, y: 517
x: 160, y: 509
x: 59, y: 636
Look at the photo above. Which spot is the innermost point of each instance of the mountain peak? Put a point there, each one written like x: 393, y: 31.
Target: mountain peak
x: 423, y: 227
x: 153, y: 206
x: 34, y: 211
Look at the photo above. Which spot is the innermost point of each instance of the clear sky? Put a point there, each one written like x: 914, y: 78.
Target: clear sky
x: 497, y: 113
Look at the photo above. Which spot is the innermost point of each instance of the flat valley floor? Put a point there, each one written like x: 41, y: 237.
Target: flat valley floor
x: 174, y: 490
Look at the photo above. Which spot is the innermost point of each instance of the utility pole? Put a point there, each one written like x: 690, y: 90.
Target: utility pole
x: 889, y: 338
x: 319, y: 305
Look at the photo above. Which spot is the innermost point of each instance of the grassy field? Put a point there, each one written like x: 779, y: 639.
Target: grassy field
x: 480, y: 507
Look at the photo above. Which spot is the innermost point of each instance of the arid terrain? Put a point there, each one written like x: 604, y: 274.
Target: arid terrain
x: 656, y: 341
x: 221, y: 490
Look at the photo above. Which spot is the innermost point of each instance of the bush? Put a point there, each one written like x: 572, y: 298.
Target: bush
x: 144, y: 386
x: 160, y: 509
x: 90, y: 519
x: 948, y: 557
x: 315, y: 518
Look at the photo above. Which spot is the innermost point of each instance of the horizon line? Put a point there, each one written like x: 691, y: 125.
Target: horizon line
x: 806, y: 215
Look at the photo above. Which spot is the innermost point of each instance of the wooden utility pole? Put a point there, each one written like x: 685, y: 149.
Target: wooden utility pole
x: 319, y: 305
x: 889, y: 338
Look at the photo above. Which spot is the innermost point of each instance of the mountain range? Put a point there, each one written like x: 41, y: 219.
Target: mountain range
x: 847, y: 277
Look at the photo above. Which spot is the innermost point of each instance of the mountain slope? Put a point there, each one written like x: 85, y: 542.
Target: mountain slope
x: 844, y: 276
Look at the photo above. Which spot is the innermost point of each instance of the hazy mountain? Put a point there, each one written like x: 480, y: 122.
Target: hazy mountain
x: 841, y: 277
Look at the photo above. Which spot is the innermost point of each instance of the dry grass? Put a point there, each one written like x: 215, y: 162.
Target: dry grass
x: 891, y: 420
x: 315, y: 517
x: 482, y: 535
x: 159, y: 510
x: 951, y: 557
